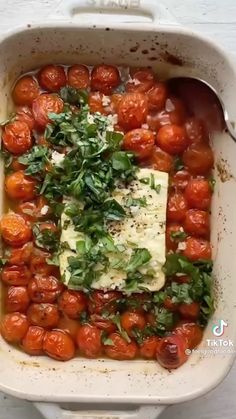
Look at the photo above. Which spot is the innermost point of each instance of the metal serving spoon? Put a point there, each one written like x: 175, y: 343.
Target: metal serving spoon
x: 203, y: 101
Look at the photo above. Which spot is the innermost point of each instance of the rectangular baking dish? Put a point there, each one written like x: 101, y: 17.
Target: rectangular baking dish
x: 170, y: 50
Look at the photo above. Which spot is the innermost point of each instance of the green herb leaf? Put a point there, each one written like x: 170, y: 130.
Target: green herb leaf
x: 178, y: 235
x: 136, y: 202
x: 138, y: 258
x: 116, y: 320
x: 35, y: 160
x: 178, y: 163
x: 212, y: 183
x: 153, y: 185
x: 46, y: 238
x: 74, y: 96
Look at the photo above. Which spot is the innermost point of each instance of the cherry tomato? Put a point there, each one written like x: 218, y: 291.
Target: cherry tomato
x: 171, y: 241
x: 17, y: 299
x: 20, y: 255
x: 78, y: 76
x: 132, y: 110
x: 197, y: 223
x: 197, y: 249
x: 176, y: 207
x: 13, y: 327
x: 43, y: 315
x: 45, y: 104
x: 32, y: 343
x: 72, y: 303
x: 112, y: 106
x: 190, y: 311
x: 142, y: 80
x: 100, y: 301
x: 59, y: 345
x: 16, y: 137
x: 148, y: 347
x: 198, y: 194
x: 191, y: 331
x: 105, y: 78
x: 89, y: 341
x: 182, y: 279
x: 15, y: 230
x: 52, y: 78
x: 195, y: 130
x: 16, y: 165
x: 151, y: 319
x: 69, y: 326
x: 169, y: 305
x: 95, y: 102
x: 157, y: 96
x: 44, y: 289
x: 25, y: 91
x: 198, y: 158
x: 104, y: 324
x: 15, y: 275
x: 19, y: 186
x: 172, y: 139
x: 180, y: 179
x: 24, y: 114
x: 28, y: 210
x: 174, y: 113
x: 39, y: 265
x: 131, y: 320
x: 160, y: 160
x: 120, y: 348
x: 171, y: 351
x: 176, y: 110
x: 140, y: 141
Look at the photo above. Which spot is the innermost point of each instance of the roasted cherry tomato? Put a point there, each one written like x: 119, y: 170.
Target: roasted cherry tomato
x: 160, y: 160
x: 195, y: 130
x: 197, y: 223
x: 44, y: 289
x: 140, y: 141
x: 104, y: 324
x: 43, y: 315
x: 89, y: 341
x: 28, y: 210
x: 157, y: 96
x: 25, y: 91
x: 169, y: 304
x: 171, y: 351
x: 190, y: 311
x: 15, y: 230
x: 39, y: 265
x: 112, y: 106
x: 131, y: 320
x: 132, y: 110
x: 148, y: 347
x: 180, y: 179
x: 173, y: 232
x: 33, y: 340
x: 20, y: 186
x: 198, y: 158
x: 15, y: 275
x: 151, y: 319
x: 13, y: 327
x: 141, y: 80
x: 95, y: 102
x: 69, y: 326
x: 198, y: 194
x: 59, y: 345
x: 20, y: 255
x: 45, y: 104
x: 176, y: 207
x: 78, y: 76
x: 172, y: 139
x: 105, y: 78
x: 16, y: 165
x: 191, y: 331
x: 197, y: 249
x: 120, y: 349
x: 16, y: 137
x: 52, y: 78
x: 72, y: 303
x: 100, y: 301
x: 182, y: 279
x: 17, y: 299
x: 24, y: 114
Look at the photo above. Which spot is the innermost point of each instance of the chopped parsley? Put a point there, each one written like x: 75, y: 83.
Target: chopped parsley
x: 153, y: 185
x: 178, y: 235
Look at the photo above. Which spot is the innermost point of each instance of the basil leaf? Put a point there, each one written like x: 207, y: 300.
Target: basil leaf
x: 74, y: 96
x: 112, y: 210
x: 138, y: 258
x: 178, y: 235
x: 121, y: 161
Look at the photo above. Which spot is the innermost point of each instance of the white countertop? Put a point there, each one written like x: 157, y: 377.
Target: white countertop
x: 217, y: 19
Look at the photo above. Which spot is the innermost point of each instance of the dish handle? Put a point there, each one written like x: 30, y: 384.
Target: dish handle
x: 54, y: 411
x: 125, y: 11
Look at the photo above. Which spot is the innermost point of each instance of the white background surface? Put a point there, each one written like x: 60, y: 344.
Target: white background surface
x: 216, y: 19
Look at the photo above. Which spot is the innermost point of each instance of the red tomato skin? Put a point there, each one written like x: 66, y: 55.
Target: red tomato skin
x: 100, y: 301
x: 132, y: 319
x: 171, y: 351
x: 141, y: 81
x: 120, y: 350
x: 16, y: 137
x: 25, y: 91
x: 157, y: 96
x: 148, y: 347
x: 198, y: 194
x: 198, y: 158
x: 171, y: 243
x: 140, y: 141
x: 190, y: 311
x: 195, y: 130
x: 132, y: 110
x: 89, y: 341
x: 32, y: 343
x: 180, y: 179
x: 15, y: 275
x: 197, y: 249
x: 44, y: 289
x: 169, y: 305
x: 43, y: 105
x: 17, y: 299
x: 160, y: 160
x: 15, y: 230
x: 172, y: 139
x: 104, y: 324
x: 43, y: 315
x: 39, y: 265
x: 13, y: 327
x: 72, y: 303
x: 52, y: 78
x: 18, y: 186
x: 105, y: 78
x: 69, y: 326
x: 24, y: 114
x: 59, y: 345
x: 191, y: 331
x: 176, y: 207
x: 197, y: 223
x: 78, y: 76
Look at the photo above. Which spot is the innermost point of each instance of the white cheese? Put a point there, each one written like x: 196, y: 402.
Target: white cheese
x: 143, y: 227
x: 57, y: 158
x: 44, y: 209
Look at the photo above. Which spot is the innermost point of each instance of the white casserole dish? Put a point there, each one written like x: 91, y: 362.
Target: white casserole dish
x: 75, y: 40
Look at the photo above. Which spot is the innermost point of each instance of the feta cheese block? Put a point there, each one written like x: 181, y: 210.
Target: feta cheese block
x: 143, y: 227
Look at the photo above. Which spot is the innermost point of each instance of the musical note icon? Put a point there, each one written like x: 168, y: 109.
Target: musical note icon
x: 218, y: 329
